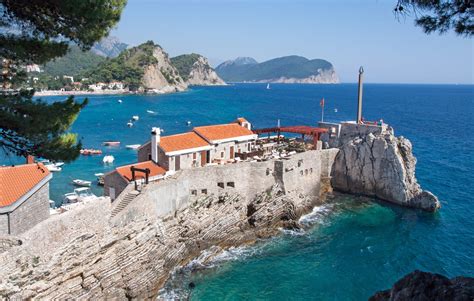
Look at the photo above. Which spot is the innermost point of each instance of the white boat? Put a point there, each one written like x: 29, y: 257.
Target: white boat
x: 99, y: 174
x: 82, y: 194
x: 188, y: 122
x: 100, y: 178
x: 108, y: 159
x: 135, y: 117
x: 150, y: 112
x: 53, y: 168
x: 132, y: 146
x: 335, y: 110
x: 119, y: 101
x: 80, y: 182
x: 58, y: 164
x: 129, y: 124
x: 268, y: 86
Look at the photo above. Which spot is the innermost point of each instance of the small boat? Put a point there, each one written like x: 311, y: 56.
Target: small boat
x: 150, y: 112
x: 335, y: 110
x: 129, y: 124
x: 188, y: 122
x: 135, y: 117
x: 82, y: 194
x: 90, y: 151
x: 100, y: 178
x: 80, y: 182
x: 53, y: 168
x: 112, y: 143
x: 119, y: 101
x: 268, y: 86
x: 108, y: 159
x: 133, y: 146
x: 58, y: 164
x: 70, y: 197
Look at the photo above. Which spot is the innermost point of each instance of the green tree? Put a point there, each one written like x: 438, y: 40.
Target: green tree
x: 440, y: 15
x: 34, y: 32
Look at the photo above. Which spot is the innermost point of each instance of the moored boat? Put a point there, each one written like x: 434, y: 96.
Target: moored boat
x: 52, y: 167
x: 108, y: 159
x: 111, y: 143
x: 90, y: 151
x: 83, y: 183
x: 135, y: 117
x: 132, y: 146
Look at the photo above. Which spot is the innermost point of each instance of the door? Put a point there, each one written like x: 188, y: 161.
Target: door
x: 203, y: 158
x: 232, y: 152
x: 177, y: 163
x: 112, y: 193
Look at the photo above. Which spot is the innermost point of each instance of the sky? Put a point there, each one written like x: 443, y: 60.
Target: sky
x: 348, y: 33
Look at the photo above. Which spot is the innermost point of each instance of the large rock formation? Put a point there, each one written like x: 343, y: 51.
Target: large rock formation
x: 428, y: 286
x: 383, y: 166
x: 84, y: 254
x: 195, y: 70
x: 162, y: 76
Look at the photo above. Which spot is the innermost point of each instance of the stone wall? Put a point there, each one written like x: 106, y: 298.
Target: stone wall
x: 114, y: 180
x: 34, y: 210
x: 144, y: 152
x: 300, y: 174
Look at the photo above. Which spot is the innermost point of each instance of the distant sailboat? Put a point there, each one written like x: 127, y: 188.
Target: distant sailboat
x: 268, y: 86
x: 335, y: 110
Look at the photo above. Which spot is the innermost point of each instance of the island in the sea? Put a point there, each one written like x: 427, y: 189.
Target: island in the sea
x: 287, y: 69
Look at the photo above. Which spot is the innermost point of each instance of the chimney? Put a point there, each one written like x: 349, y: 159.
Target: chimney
x: 155, y: 141
x: 30, y: 159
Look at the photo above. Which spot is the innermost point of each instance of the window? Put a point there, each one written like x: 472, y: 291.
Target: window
x: 194, y: 156
x: 230, y: 184
x: 248, y: 146
x: 204, y: 191
x: 301, y: 172
x: 220, y: 184
x: 222, y: 154
x: 300, y: 162
x: 306, y: 172
x: 311, y: 170
x: 194, y: 192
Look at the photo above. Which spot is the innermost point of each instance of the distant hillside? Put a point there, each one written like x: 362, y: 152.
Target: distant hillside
x: 288, y: 69
x: 73, y: 63
x: 109, y: 47
x: 195, y: 70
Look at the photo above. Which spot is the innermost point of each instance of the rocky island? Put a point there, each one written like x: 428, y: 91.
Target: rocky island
x: 287, y: 69
x: 126, y: 249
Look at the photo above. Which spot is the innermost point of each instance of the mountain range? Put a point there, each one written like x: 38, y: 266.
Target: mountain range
x: 287, y: 69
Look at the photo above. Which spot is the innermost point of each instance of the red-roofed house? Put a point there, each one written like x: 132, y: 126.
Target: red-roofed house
x: 116, y: 180
x: 24, y: 197
x: 205, y: 144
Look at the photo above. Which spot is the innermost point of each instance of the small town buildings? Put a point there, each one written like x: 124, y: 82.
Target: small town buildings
x: 24, y: 197
x: 116, y: 85
x: 116, y: 180
x: 98, y: 86
x: 203, y: 145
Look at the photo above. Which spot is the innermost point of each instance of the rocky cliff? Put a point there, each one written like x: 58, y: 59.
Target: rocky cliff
x: 85, y: 255
x: 195, y: 70
x: 380, y: 165
x: 162, y: 76
x: 420, y: 285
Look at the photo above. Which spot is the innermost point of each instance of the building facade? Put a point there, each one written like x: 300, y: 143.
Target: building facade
x: 24, y: 197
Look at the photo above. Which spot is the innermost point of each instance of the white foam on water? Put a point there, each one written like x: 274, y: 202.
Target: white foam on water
x: 317, y: 215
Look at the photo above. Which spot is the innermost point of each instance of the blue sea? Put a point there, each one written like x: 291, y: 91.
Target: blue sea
x: 351, y: 247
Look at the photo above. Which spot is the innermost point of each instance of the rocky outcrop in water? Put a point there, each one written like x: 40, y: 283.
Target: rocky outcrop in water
x: 85, y: 255
x: 383, y: 166
x: 420, y: 285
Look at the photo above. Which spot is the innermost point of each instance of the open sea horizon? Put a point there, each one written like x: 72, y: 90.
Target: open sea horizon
x: 351, y: 247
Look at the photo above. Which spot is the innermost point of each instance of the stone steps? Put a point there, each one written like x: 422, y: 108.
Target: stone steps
x: 124, y: 202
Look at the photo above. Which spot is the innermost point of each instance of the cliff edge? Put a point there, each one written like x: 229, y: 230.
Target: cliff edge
x: 381, y: 165
x: 196, y: 70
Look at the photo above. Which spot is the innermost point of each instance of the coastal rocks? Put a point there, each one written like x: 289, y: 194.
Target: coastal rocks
x: 202, y: 74
x: 84, y: 254
x: 162, y: 76
x: 382, y: 166
x: 420, y: 285
x: 323, y: 77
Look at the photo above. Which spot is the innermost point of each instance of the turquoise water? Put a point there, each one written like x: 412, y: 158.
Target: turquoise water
x: 352, y: 247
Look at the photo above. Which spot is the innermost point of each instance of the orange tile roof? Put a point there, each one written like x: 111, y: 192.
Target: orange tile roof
x: 155, y: 170
x: 16, y: 181
x: 222, y: 131
x: 182, y: 142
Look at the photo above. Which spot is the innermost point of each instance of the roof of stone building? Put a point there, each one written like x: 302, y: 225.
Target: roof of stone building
x: 16, y: 181
x: 154, y: 168
x: 181, y: 142
x: 222, y: 131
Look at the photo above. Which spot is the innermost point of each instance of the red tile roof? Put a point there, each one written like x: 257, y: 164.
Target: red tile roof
x: 155, y: 170
x: 222, y: 131
x: 16, y: 181
x: 181, y: 142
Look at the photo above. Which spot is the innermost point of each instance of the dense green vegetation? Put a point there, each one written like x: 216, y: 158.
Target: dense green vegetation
x: 128, y: 67
x: 184, y: 63
x: 73, y: 63
x: 288, y: 66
